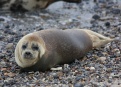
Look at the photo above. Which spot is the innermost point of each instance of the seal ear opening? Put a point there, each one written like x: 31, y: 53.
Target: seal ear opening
x: 98, y: 40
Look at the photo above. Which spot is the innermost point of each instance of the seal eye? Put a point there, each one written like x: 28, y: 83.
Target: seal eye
x: 35, y: 47
x: 24, y: 47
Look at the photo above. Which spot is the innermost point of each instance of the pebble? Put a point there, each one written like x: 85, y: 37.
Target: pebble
x: 107, y: 24
x: 3, y: 63
x: 66, y: 65
x: 1, y: 37
x: 1, y: 83
x: 2, y: 19
x: 8, y: 31
x: 87, y: 68
x: 96, y: 17
x: 113, y: 75
x: 58, y: 68
x: 78, y: 78
x: 7, y: 26
x: 79, y: 84
x: 3, y: 69
x: 102, y: 59
x: 92, y: 68
x: 9, y: 46
x: 2, y: 55
x: 110, y: 80
x: 101, y: 1
x: 55, y: 75
x: 9, y: 74
x: 116, y: 11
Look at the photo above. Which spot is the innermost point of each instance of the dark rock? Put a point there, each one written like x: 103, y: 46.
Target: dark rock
x: 8, y: 31
x: 2, y: 55
x: 2, y: 19
x: 101, y: 1
x: 107, y: 24
x: 96, y: 17
x: 116, y: 11
x: 110, y: 81
x: 7, y: 26
x: 1, y: 37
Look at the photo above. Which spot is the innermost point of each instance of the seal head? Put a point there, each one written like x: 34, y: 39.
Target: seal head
x: 29, y: 50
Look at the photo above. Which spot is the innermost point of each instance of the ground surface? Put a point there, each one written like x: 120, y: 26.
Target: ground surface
x: 100, y: 68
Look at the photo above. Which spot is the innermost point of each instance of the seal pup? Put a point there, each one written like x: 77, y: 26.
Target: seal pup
x: 27, y: 5
x: 42, y: 50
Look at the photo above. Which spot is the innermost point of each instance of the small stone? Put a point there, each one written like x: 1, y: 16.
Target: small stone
x: 56, y: 69
x: 1, y: 83
x: 79, y: 84
x: 3, y: 69
x: 96, y: 17
x: 113, y: 75
x: 117, y: 52
x: 78, y: 78
x: 9, y: 74
x: 3, y: 63
x: 116, y: 11
x: 9, y: 45
x: 107, y: 24
x: 110, y: 81
x: 87, y: 68
x: 109, y: 70
x: 102, y: 59
x: 2, y: 19
x: 31, y: 72
x: 54, y: 75
x: 7, y: 26
x: 92, y: 68
x: 8, y: 31
x: 66, y: 66
x: 2, y: 55
x: 101, y: 1
x: 1, y: 37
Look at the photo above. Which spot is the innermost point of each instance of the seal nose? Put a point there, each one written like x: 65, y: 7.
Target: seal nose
x: 28, y: 55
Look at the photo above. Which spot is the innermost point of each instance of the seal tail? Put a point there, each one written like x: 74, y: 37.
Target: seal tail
x: 98, y: 40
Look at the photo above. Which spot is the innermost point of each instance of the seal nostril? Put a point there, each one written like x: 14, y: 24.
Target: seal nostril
x: 28, y: 53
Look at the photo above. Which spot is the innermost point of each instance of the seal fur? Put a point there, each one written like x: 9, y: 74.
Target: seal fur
x: 55, y: 47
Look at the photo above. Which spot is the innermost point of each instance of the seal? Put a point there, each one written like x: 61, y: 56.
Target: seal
x: 27, y: 5
x: 43, y: 50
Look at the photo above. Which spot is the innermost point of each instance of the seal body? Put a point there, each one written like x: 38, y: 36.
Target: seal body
x: 54, y: 47
x: 26, y: 5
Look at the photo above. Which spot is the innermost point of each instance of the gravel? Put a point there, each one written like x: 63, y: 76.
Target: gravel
x: 100, y: 68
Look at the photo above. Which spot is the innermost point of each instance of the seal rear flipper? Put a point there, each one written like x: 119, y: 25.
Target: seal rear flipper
x: 98, y: 40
